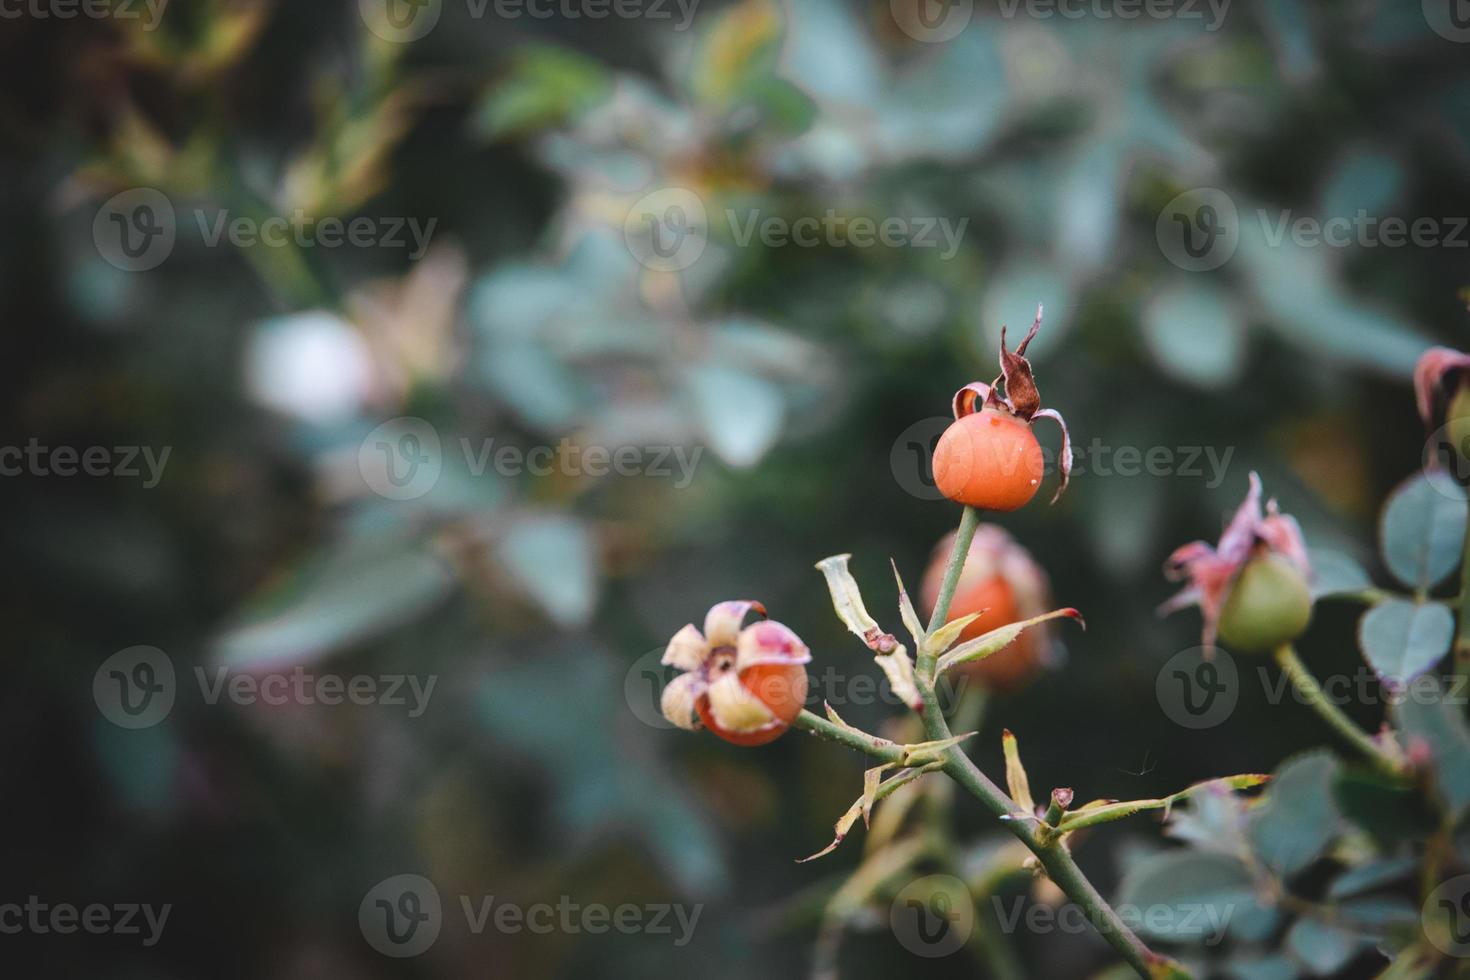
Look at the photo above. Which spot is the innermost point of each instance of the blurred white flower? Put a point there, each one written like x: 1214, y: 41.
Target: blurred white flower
x: 312, y: 365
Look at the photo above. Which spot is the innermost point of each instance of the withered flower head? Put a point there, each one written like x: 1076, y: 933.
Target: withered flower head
x: 1440, y: 373
x: 1271, y: 542
x: 745, y: 684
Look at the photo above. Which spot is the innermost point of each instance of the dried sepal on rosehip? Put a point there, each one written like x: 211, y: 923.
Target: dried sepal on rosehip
x: 744, y: 683
x: 989, y: 457
x: 1252, y: 587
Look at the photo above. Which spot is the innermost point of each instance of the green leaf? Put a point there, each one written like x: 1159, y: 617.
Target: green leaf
x: 1430, y: 717
x: 1196, y: 334
x: 1402, y: 639
x: 546, y: 86
x: 997, y: 639
x: 1334, y: 573
x: 1389, y: 809
x: 1323, y: 948
x: 1016, y: 779
x: 1423, y: 530
x: 1263, y: 968
x: 552, y: 558
x: 741, y: 414
x: 336, y: 601
x: 1186, y: 895
x: 737, y: 51
x: 1374, y: 874
x: 906, y: 609
x: 1297, y: 818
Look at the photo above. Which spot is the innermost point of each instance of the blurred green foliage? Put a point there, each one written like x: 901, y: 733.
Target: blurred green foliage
x: 796, y: 371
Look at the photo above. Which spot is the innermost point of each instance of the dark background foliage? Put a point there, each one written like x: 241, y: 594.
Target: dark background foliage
x: 797, y: 371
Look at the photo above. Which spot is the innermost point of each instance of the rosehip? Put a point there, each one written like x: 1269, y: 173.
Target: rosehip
x: 989, y: 460
x: 1269, y: 605
x: 1004, y: 585
x: 745, y: 685
x: 989, y: 457
x: 1251, y: 587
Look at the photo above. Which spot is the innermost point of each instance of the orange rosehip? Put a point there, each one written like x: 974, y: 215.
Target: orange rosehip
x: 745, y: 685
x: 989, y: 460
x: 989, y: 457
x: 1003, y: 585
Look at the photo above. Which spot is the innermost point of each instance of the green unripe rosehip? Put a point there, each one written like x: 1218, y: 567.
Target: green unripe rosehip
x: 1457, y: 420
x: 1269, y: 605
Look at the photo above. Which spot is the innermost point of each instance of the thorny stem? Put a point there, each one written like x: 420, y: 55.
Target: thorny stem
x: 1054, y: 857
x: 1311, y: 692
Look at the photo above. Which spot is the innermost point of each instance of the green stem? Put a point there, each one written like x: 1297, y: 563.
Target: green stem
x: 1055, y: 858
x: 1462, y: 627
x: 878, y: 748
x: 969, y: 521
x: 1307, y: 686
